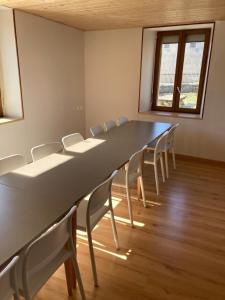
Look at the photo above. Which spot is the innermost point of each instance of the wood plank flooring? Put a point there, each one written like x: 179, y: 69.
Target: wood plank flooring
x: 176, y: 250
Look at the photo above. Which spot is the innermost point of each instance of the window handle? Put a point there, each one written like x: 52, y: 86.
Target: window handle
x: 178, y: 89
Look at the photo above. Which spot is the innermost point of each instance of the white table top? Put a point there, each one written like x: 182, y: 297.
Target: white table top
x: 35, y: 196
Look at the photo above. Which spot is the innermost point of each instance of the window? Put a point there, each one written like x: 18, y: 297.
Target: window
x: 180, y: 70
x: 193, y: 44
x: 11, y: 107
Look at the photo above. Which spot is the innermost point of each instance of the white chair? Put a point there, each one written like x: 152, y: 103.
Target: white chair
x: 8, y: 281
x: 45, y: 255
x: 122, y: 120
x: 10, y: 163
x: 71, y: 139
x: 130, y: 175
x: 41, y: 151
x: 109, y: 125
x: 90, y: 212
x: 152, y: 158
x: 169, y: 147
x: 96, y: 130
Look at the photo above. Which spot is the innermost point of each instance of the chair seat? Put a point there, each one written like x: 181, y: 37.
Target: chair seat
x: 120, y: 178
x: 149, y: 158
x: 95, y: 218
x: 167, y: 147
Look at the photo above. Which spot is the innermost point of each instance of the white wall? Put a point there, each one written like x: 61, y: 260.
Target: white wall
x: 112, y: 74
x: 51, y: 59
x: 10, y: 83
x: 147, y: 69
x: 53, y: 70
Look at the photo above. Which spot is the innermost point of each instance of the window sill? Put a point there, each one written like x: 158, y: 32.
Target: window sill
x: 5, y: 120
x: 174, y: 114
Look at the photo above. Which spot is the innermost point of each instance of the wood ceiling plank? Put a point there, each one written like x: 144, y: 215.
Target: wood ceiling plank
x: 105, y: 14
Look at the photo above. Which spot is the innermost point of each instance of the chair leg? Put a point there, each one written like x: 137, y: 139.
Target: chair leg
x: 138, y: 190
x: 91, y: 250
x: 162, y: 167
x: 25, y: 290
x: 14, y: 283
x: 166, y: 163
x: 115, y: 235
x: 174, y: 160
x: 142, y: 191
x: 78, y: 277
x: 26, y: 297
x: 129, y: 207
x: 156, y: 179
x: 16, y: 297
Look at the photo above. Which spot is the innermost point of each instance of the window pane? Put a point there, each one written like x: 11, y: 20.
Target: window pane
x: 167, y: 71
x: 191, y: 71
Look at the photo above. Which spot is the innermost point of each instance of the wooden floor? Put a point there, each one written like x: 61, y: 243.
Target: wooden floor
x: 176, y: 250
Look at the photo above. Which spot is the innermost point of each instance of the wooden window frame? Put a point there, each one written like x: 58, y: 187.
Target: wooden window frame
x: 179, y: 70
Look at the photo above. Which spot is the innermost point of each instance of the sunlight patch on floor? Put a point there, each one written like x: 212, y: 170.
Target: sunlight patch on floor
x: 124, y: 221
x: 116, y: 201
x: 83, y: 238
x: 121, y: 256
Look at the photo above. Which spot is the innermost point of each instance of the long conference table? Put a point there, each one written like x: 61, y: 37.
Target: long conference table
x: 35, y: 196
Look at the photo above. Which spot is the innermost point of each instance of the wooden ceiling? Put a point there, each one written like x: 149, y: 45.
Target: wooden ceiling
x: 109, y: 14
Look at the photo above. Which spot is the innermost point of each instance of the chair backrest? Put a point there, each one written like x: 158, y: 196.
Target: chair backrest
x: 122, y: 120
x: 44, y: 255
x: 71, y: 139
x: 8, y: 281
x: 171, y: 134
x: 134, y: 166
x: 41, y: 151
x: 161, y: 144
x: 10, y: 163
x: 109, y: 125
x: 96, y: 130
x: 100, y: 195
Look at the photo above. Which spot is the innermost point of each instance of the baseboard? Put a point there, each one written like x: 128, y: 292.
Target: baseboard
x: 200, y: 159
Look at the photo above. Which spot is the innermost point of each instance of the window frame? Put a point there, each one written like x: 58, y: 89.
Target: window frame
x: 179, y: 70
x: 5, y: 115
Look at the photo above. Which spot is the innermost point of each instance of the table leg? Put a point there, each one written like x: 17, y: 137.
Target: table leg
x: 74, y: 228
x: 69, y: 282
x: 138, y: 189
x: 69, y: 270
x: 138, y: 180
